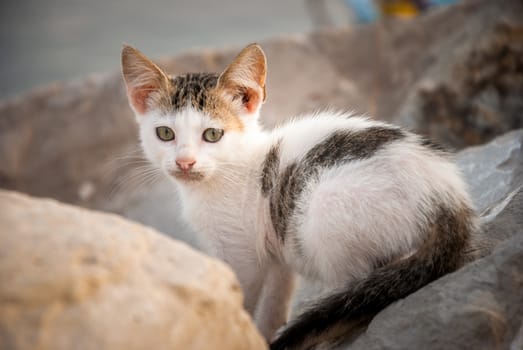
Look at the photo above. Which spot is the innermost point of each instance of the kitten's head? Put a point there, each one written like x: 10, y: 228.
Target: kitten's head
x: 191, y: 125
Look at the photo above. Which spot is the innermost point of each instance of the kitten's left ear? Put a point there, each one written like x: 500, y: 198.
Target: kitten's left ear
x: 147, y: 85
x: 244, y: 79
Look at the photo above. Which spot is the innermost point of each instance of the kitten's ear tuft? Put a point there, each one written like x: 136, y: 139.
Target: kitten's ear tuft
x: 244, y: 79
x: 147, y: 85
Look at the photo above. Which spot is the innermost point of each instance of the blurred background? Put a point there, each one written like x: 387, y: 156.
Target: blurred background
x: 45, y: 41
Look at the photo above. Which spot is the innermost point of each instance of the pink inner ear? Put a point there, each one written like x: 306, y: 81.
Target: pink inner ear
x: 251, y: 100
x: 139, y: 96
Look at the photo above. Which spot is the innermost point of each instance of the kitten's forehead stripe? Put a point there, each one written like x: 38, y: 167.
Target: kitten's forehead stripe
x: 192, y: 90
x: 200, y: 91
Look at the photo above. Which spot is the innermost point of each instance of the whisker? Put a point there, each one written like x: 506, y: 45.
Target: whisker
x: 137, y: 179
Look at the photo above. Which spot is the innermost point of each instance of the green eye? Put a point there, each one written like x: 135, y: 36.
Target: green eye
x: 164, y: 133
x: 212, y: 135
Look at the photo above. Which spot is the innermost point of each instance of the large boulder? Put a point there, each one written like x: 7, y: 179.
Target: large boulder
x: 76, y: 279
x: 494, y: 173
x: 473, y: 89
x: 478, y: 307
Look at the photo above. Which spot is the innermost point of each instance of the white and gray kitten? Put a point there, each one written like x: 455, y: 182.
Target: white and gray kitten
x: 366, y: 208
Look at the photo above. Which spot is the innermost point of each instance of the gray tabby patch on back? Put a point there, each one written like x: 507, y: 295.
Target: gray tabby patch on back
x: 338, y: 148
x: 270, y: 167
x: 192, y: 89
x: 436, y: 147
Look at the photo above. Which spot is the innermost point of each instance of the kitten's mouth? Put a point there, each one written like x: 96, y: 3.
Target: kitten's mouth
x: 187, y: 176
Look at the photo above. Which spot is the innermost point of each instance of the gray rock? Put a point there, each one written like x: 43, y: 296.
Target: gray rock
x: 473, y: 90
x: 505, y: 219
x: 477, y: 307
x: 493, y: 170
x: 494, y: 173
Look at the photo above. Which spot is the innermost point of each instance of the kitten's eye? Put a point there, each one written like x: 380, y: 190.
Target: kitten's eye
x: 164, y: 133
x: 212, y: 135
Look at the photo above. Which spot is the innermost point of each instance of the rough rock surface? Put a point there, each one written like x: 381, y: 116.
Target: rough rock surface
x: 473, y: 90
x: 493, y: 170
x: 477, y: 307
x: 494, y: 173
x: 76, y: 279
x: 63, y: 141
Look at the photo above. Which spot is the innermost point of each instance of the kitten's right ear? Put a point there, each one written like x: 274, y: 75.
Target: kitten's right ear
x: 244, y: 79
x: 147, y: 85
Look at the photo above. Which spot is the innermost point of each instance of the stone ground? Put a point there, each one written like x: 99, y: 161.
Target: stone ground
x: 62, y: 39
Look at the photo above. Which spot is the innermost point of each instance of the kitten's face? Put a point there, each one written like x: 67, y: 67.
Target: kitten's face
x: 190, y: 144
x: 193, y: 125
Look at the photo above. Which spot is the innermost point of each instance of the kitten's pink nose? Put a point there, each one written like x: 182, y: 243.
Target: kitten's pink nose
x: 185, y: 163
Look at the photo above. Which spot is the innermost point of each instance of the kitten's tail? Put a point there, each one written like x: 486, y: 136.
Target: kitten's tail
x: 336, y: 315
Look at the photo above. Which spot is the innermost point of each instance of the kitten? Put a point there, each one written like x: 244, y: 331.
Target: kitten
x: 369, y: 209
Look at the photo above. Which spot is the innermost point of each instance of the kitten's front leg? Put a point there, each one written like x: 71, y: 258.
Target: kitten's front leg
x: 273, y: 308
x: 251, y: 275
x: 252, y: 286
